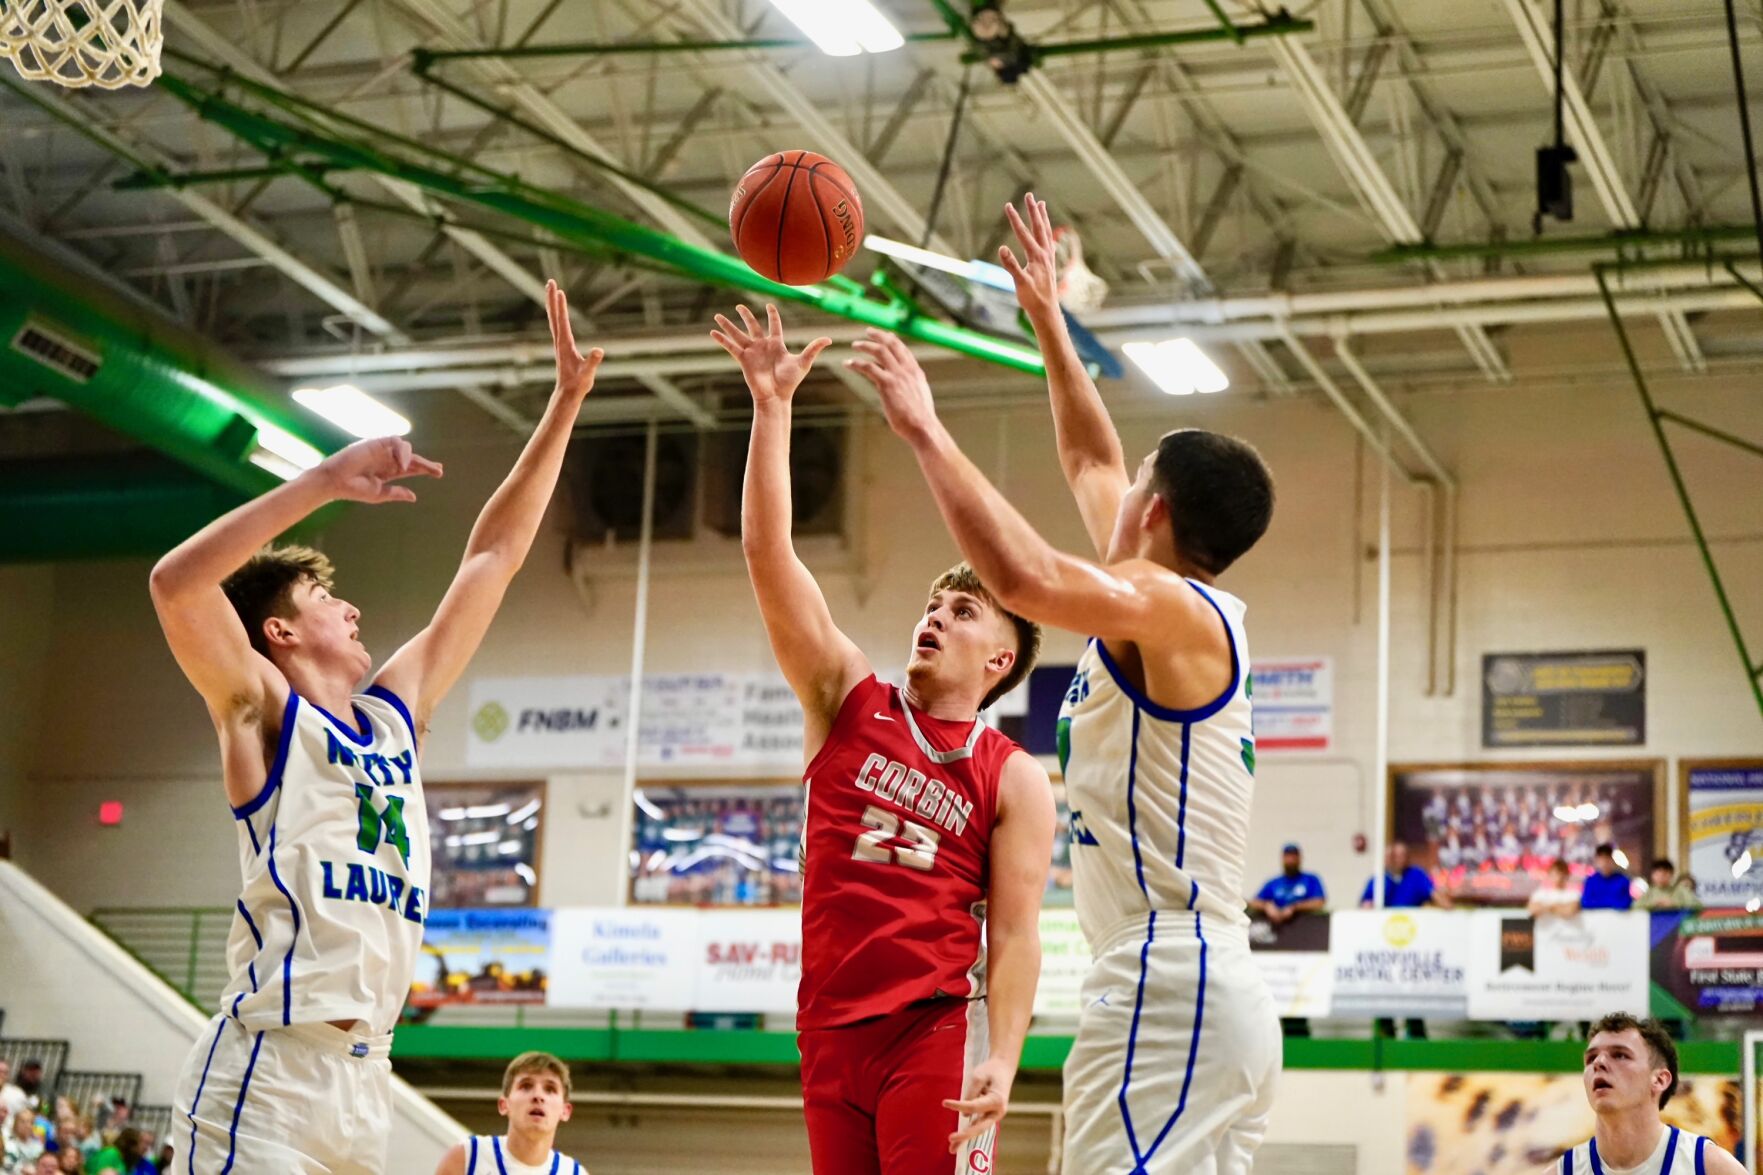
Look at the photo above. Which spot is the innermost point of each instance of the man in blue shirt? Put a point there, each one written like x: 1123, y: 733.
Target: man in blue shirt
x: 1608, y: 888
x: 1292, y: 893
x: 1404, y: 885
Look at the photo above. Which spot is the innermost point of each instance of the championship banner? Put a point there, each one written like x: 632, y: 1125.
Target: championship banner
x: 1710, y: 961
x: 1065, y: 960
x: 748, y: 961
x: 1294, y: 961
x: 1550, y: 968
x: 1294, y: 704
x: 710, y: 721
x: 1724, y: 830
x: 492, y: 956
x: 1399, y: 963
x: 631, y: 958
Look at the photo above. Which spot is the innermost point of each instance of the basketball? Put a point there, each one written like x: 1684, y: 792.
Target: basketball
x: 796, y: 218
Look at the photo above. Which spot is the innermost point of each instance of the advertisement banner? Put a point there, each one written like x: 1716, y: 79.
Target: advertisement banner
x: 1550, y: 968
x: 1710, y: 961
x: 629, y: 958
x: 708, y: 721
x: 1593, y: 698
x: 1065, y: 960
x: 1724, y: 830
x: 483, y: 957
x: 1295, y: 962
x: 1294, y: 704
x: 1399, y: 963
x: 748, y: 961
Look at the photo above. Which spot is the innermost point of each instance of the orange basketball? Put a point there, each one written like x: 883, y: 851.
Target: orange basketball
x: 796, y: 218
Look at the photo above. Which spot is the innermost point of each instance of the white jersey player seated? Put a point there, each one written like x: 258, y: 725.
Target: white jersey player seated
x: 1630, y: 1073
x: 535, y: 1100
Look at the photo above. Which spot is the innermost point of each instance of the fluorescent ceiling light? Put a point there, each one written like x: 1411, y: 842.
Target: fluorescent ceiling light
x: 283, y: 454
x: 842, y: 28
x: 353, y: 411
x: 982, y: 272
x: 1177, y: 367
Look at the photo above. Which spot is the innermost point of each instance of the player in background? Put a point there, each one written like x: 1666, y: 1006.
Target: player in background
x: 1630, y: 1073
x: 292, y: 1075
x: 927, y: 839
x: 1178, y: 1044
x: 535, y: 1100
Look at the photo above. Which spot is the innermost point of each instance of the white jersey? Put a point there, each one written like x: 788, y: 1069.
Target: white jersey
x: 1159, y: 798
x: 335, y: 857
x: 1678, y: 1153
x: 487, y: 1156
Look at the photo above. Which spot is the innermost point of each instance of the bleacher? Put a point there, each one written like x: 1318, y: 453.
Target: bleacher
x: 84, y: 1088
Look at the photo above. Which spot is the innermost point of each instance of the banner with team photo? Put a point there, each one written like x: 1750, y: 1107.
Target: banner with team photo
x: 1294, y: 704
x: 1399, y: 963
x: 1294, y: 961
x: 1710, y: 961
x: 1549, y: 968
x: 483, y: 956
x: 714, y: 722
x: 629, y: 958
x: 1723, y: 829
x: 748, y: 960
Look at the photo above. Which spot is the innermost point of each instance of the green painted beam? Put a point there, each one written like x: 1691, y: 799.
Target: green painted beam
x: 423, y: 57
x: 133, y: 506
x: 1042, y: 1053
x: 1278, y: 25
x: 571, y: 221
x: 1618, y: 242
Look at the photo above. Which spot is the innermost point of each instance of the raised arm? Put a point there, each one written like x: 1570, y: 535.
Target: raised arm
x: 820, y: 662
x: 1022, y: 852
x: 1137, y: 600
x: 243, y: 690
x: 1089, y: 448
x: 453, y: 1162
x: 430, y: 662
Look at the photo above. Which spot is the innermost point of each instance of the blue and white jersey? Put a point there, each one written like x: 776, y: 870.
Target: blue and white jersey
x: 335, y: 857
x: 1159, y: 798
x: 1678, y: 1153
x: 485, y: 1155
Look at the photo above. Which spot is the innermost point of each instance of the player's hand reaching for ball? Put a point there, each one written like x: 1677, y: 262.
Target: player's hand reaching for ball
x: 983, y: 1103
x: 575, y: 372
x: 889, y: 364
x: 1037, y: 274
x: 366, y: 470
x: 773, y: 374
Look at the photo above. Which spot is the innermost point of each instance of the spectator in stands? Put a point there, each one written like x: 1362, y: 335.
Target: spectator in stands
x: 1556, y: 895
x: 23, y: 1144
x: 1291, y: 893
x: 48, y: 1163
x: 12, y: 1098
x: 1666, y: 890
x: 128, y: 1156
x: 69, y: 1162
x: 1404, y: 886
x: 1608, y: 887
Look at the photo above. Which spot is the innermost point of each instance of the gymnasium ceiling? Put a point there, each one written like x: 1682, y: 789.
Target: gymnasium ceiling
x: 1280, y: 166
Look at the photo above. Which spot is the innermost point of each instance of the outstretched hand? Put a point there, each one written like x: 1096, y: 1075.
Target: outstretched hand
x: 1037, y: 274
x: 983, y: 1103
x: 366, y: 470
x: 773, y: 374
x: 575, y: 372
x: 890, y: 365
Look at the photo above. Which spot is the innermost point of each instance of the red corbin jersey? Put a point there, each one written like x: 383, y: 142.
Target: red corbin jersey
x: 897, y: 849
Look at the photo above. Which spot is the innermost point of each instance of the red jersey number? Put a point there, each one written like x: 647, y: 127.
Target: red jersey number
x: 920, y: 851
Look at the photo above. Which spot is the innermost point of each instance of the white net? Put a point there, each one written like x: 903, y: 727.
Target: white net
x: 79, y: 43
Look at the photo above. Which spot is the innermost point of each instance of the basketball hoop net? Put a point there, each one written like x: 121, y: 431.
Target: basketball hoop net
x: 78, y: 43
x: 1081, y: 290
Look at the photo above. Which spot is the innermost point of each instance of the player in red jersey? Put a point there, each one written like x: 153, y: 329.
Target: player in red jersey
x: 927, y: 841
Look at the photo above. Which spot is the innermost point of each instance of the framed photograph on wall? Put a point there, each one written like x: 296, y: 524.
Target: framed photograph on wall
x: 1487, y: 832
x: 723, y: 843
x: 484, y: 840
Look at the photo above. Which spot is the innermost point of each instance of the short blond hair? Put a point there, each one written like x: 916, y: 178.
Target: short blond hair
x: 264, y: 586
x: 536, y: 1063
x: 963, y: 578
